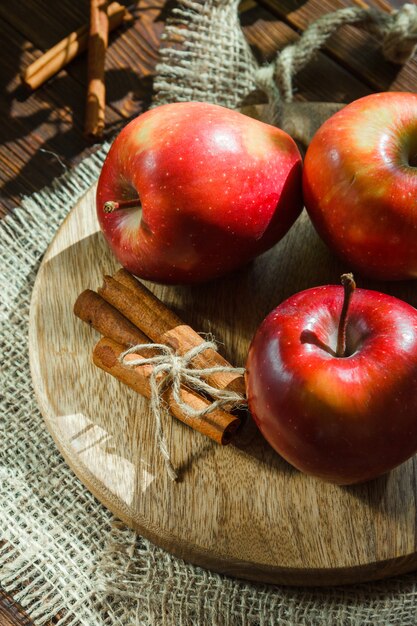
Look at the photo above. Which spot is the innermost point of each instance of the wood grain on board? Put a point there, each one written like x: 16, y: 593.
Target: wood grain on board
x: 240, y: 509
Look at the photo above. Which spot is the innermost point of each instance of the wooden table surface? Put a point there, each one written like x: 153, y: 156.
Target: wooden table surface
x: 41, y: 133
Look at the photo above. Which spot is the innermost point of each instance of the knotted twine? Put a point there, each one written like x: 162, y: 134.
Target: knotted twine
x: 396, y: 30
x: 170, y: 368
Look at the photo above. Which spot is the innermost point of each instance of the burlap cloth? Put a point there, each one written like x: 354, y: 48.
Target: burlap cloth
x: 62, y: 552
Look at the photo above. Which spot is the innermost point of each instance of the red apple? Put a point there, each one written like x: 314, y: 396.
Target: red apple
x: 337, y: 399
x: 211, y: 189
x: 360, y: 184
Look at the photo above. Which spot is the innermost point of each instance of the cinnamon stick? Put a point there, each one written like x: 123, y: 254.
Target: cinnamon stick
x: 157, y: 321
x: 97, y: 45
x: 108, y: 321
x: 218, y: 425
x: 66, y: 50
x: 382, y: 4
x: 361, y: 3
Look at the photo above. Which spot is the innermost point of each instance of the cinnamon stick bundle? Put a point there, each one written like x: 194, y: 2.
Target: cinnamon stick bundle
x: 218, y: 425
x: 96, y: 91
x: 119, y: 333
x: 57, y: 57
x: 162, y: 325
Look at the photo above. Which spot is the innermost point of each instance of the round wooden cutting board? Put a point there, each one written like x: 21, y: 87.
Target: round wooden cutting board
x: 239, y: 509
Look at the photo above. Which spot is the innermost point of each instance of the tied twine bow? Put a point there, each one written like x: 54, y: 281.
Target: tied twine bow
x: 168, y: 367
x: 396, y: 30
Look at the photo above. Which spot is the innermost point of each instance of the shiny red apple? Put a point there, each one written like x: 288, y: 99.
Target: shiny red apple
x: 190, y: 191
x: 335, y: 394
x: 360, y: 184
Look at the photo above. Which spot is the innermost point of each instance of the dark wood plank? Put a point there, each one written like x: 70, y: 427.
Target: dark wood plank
x: 44, y: 23
x: 132, y: 53
x: 11, y: 613
x: 56, y: 110
x: 323, y: 79
x: 33, y: 122
x: 130, y: 63
x: 354, y: 49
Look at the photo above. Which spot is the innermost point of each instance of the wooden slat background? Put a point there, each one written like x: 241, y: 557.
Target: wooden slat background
x: 41, y: 134
x: 50, y: 121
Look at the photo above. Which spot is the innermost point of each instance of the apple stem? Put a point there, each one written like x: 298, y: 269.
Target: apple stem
x: 112, y: 205
x: 349, y: 286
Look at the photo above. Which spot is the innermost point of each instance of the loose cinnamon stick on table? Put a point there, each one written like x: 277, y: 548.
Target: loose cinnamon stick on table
x: 162, y: 325
x: 97, y: 45
x: 63, y: 52
x: 218, y: 425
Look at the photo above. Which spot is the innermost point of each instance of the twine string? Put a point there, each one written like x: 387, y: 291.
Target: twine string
x: 397, y: 31
x: 170, y: 368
